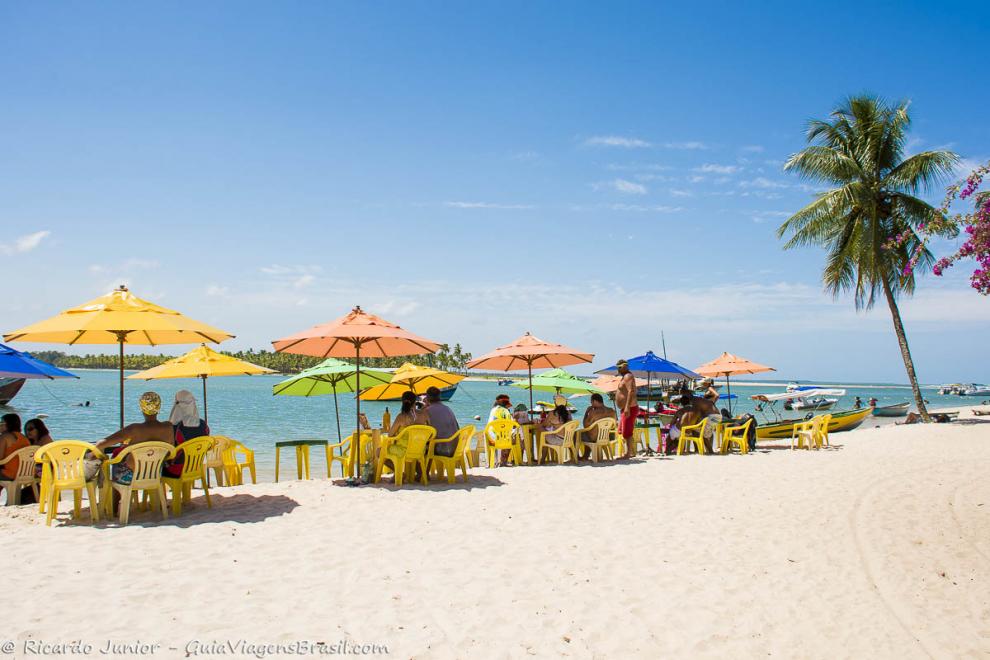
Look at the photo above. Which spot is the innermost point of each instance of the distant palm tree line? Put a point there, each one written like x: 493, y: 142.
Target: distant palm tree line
x: 448, y: 359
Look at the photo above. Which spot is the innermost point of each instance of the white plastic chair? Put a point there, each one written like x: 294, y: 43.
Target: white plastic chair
x: 148, y: 458
x: 24, y: 477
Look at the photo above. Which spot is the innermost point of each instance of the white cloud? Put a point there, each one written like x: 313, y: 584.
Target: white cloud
x: 646, y: 208
x: 304, y: 281
x: 762, y: 182
x: 395, y: 308
x: 676, y: 192
x: 697, y: 178
x: 616, y: 141
x: 628, y: 187
x: 762, y: 194
x: 714, y: 168
x: 688, y: 146
x: 752, y: 149
x: 217, y: 291
x: 654, y: 177
x: 25, y: 243
x: 486, y: 205
x: 638, y: 167
x: 277, y: 269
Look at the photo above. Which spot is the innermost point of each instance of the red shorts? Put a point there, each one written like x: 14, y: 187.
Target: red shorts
x: 628, y: 422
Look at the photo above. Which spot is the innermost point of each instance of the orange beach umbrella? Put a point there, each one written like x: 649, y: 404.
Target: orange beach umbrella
x: 529, y: 352
x: 356, y: 335
x: 727, y: 365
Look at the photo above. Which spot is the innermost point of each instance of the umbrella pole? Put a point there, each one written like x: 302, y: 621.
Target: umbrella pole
x: 120, y: 340
x: 728, y: 389
x: 356, y: 442
x: 336, y: 409
x: 530, y: 364
x: 206, y: 408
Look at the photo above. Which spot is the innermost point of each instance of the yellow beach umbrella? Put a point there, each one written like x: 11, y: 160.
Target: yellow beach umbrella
x: 202, y: 362
x: 411, y: 378
x: 120, y: 318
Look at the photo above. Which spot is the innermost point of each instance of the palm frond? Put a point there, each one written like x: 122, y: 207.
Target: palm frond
x: 821, y: 163
x: 922, y: 172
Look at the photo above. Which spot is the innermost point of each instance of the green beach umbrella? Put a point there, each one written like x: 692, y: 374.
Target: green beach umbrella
x: 329, y: 377
x: 559, y: 381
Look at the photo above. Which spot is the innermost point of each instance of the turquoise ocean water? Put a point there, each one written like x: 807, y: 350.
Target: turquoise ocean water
x: 243, y: 407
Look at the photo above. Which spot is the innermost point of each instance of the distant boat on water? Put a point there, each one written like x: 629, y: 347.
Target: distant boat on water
x: 445, y: 394
x: 9, y: 387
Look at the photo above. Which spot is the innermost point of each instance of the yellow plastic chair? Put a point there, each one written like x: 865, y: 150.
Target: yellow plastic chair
x: 65, y: 470
x: 472, y: 455
x: 407, y: 450
x: 365, y: 451
x: 337, y: 452
x: 502, y: 434
x: 24, y: 478
x: 736, y: 435
x: 193, y: 470
x: 214, y: 461
x: 449, y: 464
x: 567, y: 431
x: 148, y: 458
x: 823, y: 429
x: 804, y: 435
x: 601, y: 433
x: 234, y: 467
x: 693, y: 434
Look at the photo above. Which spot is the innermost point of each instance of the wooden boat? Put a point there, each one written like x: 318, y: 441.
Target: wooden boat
x: 445, y: 394
x: 845, y: 420
x: 895, y: 410
x: 9, y: 387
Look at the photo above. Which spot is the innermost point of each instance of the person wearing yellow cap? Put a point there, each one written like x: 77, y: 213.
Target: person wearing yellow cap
x: 151, y: 429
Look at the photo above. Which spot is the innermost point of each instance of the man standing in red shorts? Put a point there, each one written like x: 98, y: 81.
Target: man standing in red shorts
x: 625, y: 401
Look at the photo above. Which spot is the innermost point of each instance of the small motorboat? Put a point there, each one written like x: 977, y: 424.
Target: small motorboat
x: 775, y: 427
x: 815, y: 403
x: 895, y: 410
x: 975, y: 389
x: 810, y: 398
x: 841, y: 421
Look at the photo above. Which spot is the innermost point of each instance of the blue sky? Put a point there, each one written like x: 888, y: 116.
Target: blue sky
x: 593, y: 173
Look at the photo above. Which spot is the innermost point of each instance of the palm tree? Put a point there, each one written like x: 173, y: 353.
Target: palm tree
x: 868, y: 221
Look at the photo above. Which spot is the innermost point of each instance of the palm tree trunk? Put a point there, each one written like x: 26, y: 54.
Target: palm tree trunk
x: 895, y: 314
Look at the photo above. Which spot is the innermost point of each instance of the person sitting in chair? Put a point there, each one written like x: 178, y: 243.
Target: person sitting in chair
x: 595, y: 412
x: 149, y: 430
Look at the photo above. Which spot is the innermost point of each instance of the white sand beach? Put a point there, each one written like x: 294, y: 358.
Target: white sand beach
x: 877, y: 547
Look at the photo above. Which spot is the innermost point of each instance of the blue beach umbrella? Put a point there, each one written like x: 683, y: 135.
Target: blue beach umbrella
x: 15, y: 364
x: 652, y: 366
